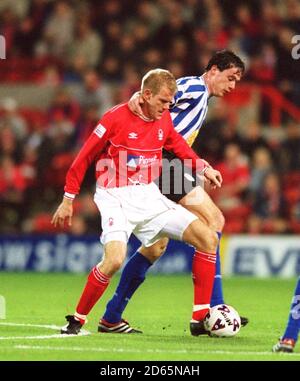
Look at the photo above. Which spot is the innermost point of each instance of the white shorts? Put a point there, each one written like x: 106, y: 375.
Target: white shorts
x: 142, y: 210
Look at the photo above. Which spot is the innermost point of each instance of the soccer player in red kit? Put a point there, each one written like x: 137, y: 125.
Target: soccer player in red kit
x: 128, y: 151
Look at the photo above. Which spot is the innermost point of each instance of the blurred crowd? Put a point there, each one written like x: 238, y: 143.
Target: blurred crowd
x: 104, y: 47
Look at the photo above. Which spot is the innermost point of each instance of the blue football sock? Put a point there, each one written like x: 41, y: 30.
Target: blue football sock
x: 217, y: 293
x: 133, y: 275
x: 293, y: 325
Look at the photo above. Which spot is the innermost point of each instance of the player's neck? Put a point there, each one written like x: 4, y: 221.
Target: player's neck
x: 146, y: 115
x: 207, y: 81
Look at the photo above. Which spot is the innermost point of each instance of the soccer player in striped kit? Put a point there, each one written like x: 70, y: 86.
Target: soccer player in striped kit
x: 188, y: 112
x: 288, y: 341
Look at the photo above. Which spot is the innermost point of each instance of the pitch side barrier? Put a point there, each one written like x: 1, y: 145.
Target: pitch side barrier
x: 258, y: 256
x: 76, y: 254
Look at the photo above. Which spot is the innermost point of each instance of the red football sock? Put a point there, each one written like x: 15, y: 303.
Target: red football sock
x: 96, y: 285
x: 203, y: 271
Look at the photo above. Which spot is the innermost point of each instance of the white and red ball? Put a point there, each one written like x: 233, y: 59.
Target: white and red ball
x: 223, y: 321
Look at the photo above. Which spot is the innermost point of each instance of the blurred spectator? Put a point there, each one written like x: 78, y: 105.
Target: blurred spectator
x: 86, y: 124
x: 111, y: 70
x: 270, y: 208
x: 106, y: 13
x: 12, y: 186
x: 174, y: 27
x: 87, y: 43
x: 236, y: 178
x: 12, y: 181
x: 251, y: 28
x: 8, y: 28
x: 290, y: 149
x: 293, y: 14
x: 130, y: 85
x: 112, y: 36
x: 20, y: 7
x: 78, y: 226
x: 149, y: 14
x: 9, y: 146
x: 262, y: 68
x: 12, y: 118
x: 94, y: 92
x: 59, y: 30
x: 86, y: 208
x: 65, y: 105
x: 50, y: 76
x: 262, y: 164
x: 28, y: 166
x: 26, y: 38
x: 75, y: 69
x: 287, y: 69
x: 251, y: 138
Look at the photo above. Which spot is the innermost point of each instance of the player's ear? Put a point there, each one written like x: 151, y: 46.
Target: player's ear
x: 214, y: 69
x: 147, y: 94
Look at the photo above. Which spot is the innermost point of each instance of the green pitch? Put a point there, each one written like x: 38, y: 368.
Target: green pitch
x: 161, y: 308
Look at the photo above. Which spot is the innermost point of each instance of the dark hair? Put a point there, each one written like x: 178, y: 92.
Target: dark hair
x: 225, y: 59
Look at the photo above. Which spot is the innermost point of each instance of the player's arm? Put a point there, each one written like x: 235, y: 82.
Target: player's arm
x: 181, y: 149
x: 76, y: 173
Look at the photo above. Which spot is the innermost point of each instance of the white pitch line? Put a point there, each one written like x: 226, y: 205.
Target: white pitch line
x: 83, y: 332
x: 127, y: 350
x: 31, y: 325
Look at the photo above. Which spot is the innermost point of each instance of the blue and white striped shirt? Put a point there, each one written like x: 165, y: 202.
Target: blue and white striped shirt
x: 189, y: 107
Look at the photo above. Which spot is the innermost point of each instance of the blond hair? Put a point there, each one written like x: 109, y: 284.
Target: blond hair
x: 157, y: 78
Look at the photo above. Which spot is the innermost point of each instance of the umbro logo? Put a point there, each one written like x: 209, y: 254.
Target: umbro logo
x: 132, y: 135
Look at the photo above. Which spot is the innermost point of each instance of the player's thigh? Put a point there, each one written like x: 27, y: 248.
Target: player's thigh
x: 201, y: 236
x: 200, y: 203
x: 113, y: 218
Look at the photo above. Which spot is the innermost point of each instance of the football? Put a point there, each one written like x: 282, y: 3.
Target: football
x: 222, y: 321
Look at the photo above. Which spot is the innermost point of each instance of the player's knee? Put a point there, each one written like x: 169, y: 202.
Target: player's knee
x: 111, y: 266
x: 220, y: 221
x: 154, y: 252
x: 162, y: 247
x: 211, y: 241
x: 152, y: 255
x: 116, y: 265
x: 216, y: 220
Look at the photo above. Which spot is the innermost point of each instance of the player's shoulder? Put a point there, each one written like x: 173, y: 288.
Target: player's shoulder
x: 192, y: 79
x: 191, y: 87
x: 119, y: 109
x: 166, y: 119
x: 117, y: 113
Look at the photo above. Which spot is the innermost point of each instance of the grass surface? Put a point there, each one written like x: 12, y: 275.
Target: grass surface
x: 161, y: 308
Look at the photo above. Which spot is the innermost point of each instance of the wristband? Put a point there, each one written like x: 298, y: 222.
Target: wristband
x: 69, y: 196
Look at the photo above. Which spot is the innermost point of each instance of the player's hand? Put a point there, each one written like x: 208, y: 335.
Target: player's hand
x: 214, y: 177
x: 63, y: 213
x: 135, y: 103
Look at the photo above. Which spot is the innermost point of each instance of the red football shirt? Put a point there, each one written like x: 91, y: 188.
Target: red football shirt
x: 128, y: 149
